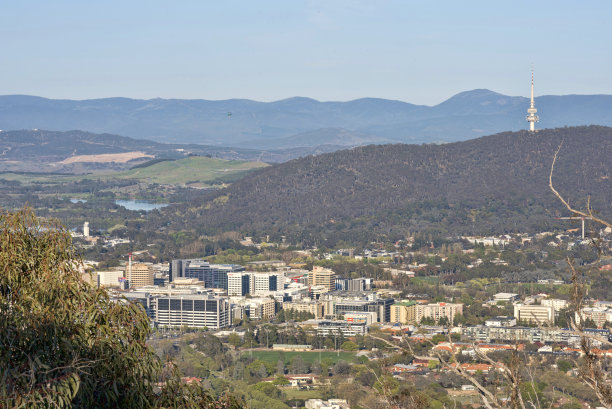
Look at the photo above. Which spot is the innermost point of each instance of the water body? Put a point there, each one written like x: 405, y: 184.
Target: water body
x: 139, y: 205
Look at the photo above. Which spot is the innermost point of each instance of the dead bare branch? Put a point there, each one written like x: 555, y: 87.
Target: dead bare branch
x: 588, y: 212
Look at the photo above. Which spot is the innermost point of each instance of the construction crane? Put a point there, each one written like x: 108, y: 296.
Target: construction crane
x: 582, y: 218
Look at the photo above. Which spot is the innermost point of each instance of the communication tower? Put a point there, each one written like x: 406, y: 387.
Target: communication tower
x: 532, y: 116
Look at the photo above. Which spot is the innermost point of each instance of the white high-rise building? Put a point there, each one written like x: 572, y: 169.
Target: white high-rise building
x: 86, y: 229
x: 239, y: 284
x: 266, y: 282
x: 532, y: 118
x: 242, y: 283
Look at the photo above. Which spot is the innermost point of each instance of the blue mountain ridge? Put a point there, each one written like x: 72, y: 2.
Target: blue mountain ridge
x: 302, y: 122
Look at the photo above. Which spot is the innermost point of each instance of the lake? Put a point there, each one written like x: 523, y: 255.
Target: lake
x: 139, y: 205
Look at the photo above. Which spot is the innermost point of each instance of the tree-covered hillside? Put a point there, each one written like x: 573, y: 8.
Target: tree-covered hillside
x: 492, y: 184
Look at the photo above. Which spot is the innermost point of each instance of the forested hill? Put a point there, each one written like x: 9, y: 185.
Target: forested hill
x: 491, y: 184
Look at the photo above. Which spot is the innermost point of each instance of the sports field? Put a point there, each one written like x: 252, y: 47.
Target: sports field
x: 308, y: 356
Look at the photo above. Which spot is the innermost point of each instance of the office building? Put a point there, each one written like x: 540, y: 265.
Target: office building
x: 266, y: 282
x: 238, y: 284
x: 255, y: 308
x: 139, y: 274
x: 196, y: 311
x: 326, y: 404
x: 323, y: 276
x: 353, y: 284
x: 243, y: 283
x: 501, y: 322
x: 536, y: 314
x: 339, y: 303
x: 555, y: 303
x: 213, y: 275
x: 146, y: 300
x: 504, y: 297
x: 346, y: 328
x: 368, y: 318
x: 528, y: 334
x: 382, y: 307
x: 306, y: 305
x: 109, y: 278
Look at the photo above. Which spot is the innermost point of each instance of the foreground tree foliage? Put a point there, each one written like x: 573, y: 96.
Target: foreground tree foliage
x: 64, y: 343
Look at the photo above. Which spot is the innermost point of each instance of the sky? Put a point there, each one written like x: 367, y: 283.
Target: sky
x: 421, y: 52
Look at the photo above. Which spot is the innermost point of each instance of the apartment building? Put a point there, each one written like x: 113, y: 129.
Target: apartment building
x: 599, y: 315
x: 403, y: 312
x: 437, y: 311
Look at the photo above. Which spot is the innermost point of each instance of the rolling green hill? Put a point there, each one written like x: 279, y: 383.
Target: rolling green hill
x: 191, y: 170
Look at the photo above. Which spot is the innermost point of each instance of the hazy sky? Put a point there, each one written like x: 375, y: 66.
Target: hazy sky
x: 416, y: 51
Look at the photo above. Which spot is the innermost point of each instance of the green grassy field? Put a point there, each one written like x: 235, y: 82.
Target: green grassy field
x: 297, y: 394
x: 308, y: 356
x: 27, y: 178
x: 193, y: 170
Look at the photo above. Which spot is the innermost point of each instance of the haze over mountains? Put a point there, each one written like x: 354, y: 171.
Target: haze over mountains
x: 301, y: 122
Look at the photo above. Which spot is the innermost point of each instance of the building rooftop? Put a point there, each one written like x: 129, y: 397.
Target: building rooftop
x: 406, y: 303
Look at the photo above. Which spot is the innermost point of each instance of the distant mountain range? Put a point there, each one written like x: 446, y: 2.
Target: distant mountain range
x: 492, y: 184
x: 301, y: 122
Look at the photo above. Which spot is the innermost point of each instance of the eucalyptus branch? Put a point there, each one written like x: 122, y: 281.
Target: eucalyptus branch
x: 589, y: 210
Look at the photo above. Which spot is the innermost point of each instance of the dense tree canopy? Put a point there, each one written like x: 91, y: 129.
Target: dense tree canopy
x: 497, y: 183
x: 65, y: 343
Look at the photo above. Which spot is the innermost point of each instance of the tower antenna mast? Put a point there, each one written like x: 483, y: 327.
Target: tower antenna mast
x: 532, y: 116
